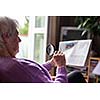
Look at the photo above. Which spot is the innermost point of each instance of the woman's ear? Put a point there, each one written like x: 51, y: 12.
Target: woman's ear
x: 5, y: 37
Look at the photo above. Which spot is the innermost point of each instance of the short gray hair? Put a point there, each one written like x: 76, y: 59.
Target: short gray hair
x: 7, y: 25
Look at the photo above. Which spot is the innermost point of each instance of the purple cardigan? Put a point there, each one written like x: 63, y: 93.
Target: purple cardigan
x: 15, y: 70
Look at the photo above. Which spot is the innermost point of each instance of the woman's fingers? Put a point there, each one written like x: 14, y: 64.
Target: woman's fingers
x: 58, y: 52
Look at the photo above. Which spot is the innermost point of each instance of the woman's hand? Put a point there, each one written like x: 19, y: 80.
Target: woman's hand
x: 58, y: 59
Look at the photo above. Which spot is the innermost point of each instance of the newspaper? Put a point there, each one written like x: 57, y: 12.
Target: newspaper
x: 75, y: 51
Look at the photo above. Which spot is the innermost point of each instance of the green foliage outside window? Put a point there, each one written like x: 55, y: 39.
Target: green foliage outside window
x: 39, y: 22
x: 24, y: 29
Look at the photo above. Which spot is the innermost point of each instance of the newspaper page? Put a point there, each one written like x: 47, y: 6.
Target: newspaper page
x: 75, y: 51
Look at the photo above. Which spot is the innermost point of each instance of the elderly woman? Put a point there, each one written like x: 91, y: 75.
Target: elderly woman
x: 17, y: 70
x: 13, y: 69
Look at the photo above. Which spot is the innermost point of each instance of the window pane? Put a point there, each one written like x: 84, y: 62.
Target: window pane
x: 23, y: 47
x: 39, y: 45
x: 39, y: 21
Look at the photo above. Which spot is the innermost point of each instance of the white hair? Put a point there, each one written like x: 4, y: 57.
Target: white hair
x: 7, y: 25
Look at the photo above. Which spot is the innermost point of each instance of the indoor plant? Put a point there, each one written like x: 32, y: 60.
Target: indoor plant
x: 92, y: 25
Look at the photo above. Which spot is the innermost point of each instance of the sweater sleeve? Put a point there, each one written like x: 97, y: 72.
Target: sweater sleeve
x: 61, y: 75
x: 47, y: 65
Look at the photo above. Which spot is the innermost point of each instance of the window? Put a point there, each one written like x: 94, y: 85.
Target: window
x: 33, y: 45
